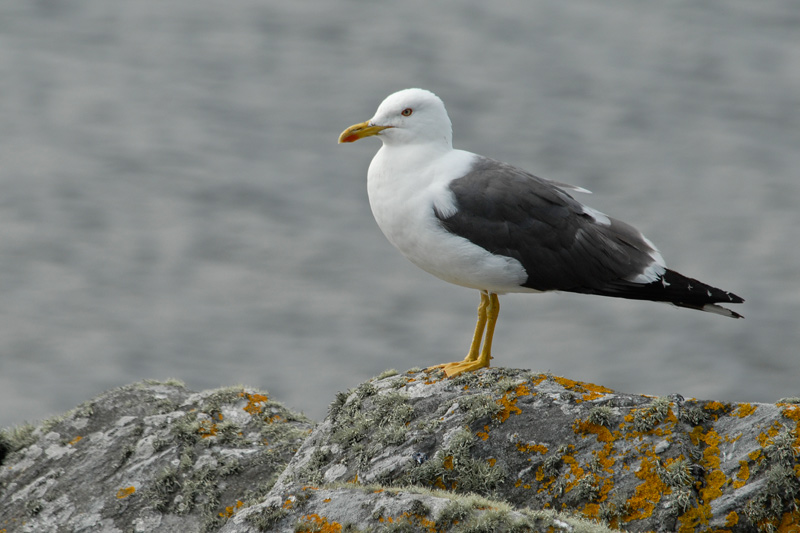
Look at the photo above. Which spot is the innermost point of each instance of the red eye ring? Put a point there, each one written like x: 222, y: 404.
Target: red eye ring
x: 407, y: 112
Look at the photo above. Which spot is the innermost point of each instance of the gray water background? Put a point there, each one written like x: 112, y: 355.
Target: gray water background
x: 174, y: 203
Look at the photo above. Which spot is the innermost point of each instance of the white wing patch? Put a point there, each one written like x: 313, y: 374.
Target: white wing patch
x: 445, y: 202
x: 654, y: 270
x: 597, y: 216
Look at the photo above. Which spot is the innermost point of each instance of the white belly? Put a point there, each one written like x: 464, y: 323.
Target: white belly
x: 403, y: 205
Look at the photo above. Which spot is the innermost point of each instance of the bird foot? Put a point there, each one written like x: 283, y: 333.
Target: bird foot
x: 459, y: 367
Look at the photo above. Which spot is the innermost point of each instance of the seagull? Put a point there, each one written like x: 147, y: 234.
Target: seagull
x: 487, y: 225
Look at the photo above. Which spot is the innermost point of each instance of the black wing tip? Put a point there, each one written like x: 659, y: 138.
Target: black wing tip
x: 676, y: 289
x: 734, y: 299
x: 706, y: 298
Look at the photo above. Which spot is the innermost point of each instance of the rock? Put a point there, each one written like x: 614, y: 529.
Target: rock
x: 544, y: 442
x: 361, y: 508
x: 495, y: 450
x: 146, y: 457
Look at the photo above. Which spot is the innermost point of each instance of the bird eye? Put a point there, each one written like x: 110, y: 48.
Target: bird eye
x: 407, y: 112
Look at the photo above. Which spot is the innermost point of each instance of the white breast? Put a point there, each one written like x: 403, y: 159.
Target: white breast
x: 404, y: 187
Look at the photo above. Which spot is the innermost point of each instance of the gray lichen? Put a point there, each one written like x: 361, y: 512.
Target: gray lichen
x: 453, y: 467
x: 649, y: 417
x: 15, y: 438
x: 600, y: 415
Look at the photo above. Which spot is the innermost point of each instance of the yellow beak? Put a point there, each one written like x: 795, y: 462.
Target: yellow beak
x: 359, y: 131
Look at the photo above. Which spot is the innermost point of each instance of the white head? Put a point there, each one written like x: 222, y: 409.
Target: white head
x: 409, y: 116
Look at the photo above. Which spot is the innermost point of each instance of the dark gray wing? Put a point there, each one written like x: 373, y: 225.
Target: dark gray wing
x: 510, y: 212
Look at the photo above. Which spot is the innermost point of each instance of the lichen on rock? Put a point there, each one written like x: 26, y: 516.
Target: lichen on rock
x: 146, y: 457
x: 545, y: 442
x: 492, y: 450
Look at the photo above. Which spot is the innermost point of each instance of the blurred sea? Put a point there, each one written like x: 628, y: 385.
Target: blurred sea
x: 174, y: 203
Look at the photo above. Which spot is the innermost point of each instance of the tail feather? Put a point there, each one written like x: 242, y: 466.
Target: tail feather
x: 674, y: 288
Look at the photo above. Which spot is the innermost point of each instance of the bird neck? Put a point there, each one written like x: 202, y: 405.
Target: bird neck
x: 418, y: 155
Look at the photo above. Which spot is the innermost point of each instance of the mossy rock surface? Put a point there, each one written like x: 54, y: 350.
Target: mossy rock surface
x: 496, y: 450
x: 538, y: 441
x: 373, y: 508
x: 146, y: 457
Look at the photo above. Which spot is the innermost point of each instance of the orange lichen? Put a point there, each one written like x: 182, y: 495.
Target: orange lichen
x: 254, y: 402
x: 583, y: 427
x: 716, y: 406
x: 791, y: 411
x: 317, y: 524
x: 575, y: 474
x: 696, y: 434
x: 412, y: 518
x: 484, y: 435
x: 647, y: 494
x: 744, y: 409
x: 714, y: 480
x: 766, y: 438
x: 492, y: 461
x: 231, y: 509
x: 207, y: 429
x: 431, y: 377
x: 731, y: 519
x: 742, y: 476
x: 274, y: 419
x: 538, y: 379
x: 605, y: 484
x: 448, y: 462
x: 75, y: 441
x: 125, y: 492
x: 530, y: 448
x: 605, y: 459
x: 731, y: 440
x: 510, y: 404
x: 589, y: 391
x: 790, y: 522
x: 711, y: 453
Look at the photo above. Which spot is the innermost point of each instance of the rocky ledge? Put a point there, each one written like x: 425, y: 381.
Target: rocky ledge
x: 494, y: 450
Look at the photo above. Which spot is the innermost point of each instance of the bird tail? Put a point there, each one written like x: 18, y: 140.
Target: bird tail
x: 676, y: 289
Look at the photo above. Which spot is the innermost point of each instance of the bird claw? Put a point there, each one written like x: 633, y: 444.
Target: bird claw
x: 451, y: 370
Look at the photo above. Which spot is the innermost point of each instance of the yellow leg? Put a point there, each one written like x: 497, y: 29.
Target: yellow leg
x: 477, y: 358
x: 491, y: 321
x: 475, y: 347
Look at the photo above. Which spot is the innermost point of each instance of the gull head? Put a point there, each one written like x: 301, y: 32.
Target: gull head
x: 410, y: 116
